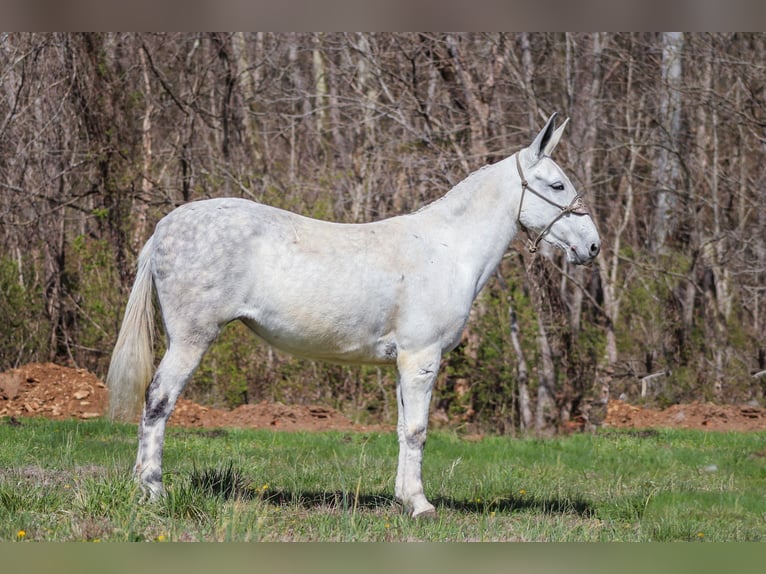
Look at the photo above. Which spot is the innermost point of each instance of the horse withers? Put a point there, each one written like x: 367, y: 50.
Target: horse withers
x: 396, y: 291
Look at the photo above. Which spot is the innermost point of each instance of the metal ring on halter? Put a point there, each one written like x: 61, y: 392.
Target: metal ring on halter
x: 576, y: 206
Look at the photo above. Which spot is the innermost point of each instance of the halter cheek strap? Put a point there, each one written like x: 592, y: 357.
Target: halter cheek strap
x: 576, y: 206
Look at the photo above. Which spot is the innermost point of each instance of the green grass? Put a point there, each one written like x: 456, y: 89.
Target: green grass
x: 65, y: 481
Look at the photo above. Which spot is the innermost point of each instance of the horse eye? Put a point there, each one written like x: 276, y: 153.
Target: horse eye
x: 558, y: 186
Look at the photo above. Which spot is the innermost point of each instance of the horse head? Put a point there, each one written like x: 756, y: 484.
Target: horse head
x: 549, y: 205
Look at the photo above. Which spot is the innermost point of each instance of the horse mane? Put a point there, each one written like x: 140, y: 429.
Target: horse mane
x: 469, y: 181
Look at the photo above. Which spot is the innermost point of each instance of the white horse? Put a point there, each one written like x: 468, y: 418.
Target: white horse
x: 396, y: 291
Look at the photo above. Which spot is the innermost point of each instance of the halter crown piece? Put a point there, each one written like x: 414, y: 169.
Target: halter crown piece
x: 576, y: 206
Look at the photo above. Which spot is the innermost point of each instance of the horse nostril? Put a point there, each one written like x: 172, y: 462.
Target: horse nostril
x: 594, y: 249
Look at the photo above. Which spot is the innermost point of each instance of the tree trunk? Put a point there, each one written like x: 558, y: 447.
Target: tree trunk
x: 545, y: 413
x: 667, y: 168
x: 525, y: 408
x: 320, y: 83
x: 140, y: 208
x: 246, y: 74
x: 585, y: 97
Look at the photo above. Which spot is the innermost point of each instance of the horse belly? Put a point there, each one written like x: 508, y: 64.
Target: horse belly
x: 326, y: 312
x: 330, y: 338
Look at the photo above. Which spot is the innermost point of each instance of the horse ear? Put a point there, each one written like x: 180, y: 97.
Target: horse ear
x: 547, y: 139
x: 537, y: 148
x: 553, y: 142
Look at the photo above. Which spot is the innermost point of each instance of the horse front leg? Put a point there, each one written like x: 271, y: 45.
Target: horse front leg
x: 417, y: 372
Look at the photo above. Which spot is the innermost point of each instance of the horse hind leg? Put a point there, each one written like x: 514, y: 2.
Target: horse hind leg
x: 175, y: 370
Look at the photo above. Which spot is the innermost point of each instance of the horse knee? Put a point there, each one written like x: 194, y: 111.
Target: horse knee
x: 415, y: 436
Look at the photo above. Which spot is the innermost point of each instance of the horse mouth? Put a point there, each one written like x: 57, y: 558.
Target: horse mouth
x: 583, y: 256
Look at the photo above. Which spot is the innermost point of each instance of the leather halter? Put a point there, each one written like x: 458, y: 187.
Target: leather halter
x: 576, y: 206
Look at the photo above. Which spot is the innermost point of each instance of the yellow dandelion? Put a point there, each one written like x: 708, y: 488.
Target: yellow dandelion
x: 160, y: 538
x: 21, y: 534
x: 522, y: 491
x: 700, y: 535
x: 265, y: 487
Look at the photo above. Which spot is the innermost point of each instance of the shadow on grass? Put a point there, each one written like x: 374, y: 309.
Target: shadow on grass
x: 342, y: 499
x: 513, y: 503
x: 229, y: 483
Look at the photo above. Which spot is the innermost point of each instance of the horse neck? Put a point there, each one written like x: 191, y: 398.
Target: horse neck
x: 478, y: 215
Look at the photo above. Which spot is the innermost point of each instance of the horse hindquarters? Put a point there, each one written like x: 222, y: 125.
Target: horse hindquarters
x: 189, y: 334
x: 192, y: 323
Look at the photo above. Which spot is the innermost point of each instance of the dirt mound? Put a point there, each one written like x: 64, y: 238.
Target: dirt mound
x: 51, y: 391
x: 60, y: 392
x: 688, y: 416
x: 263, y: 415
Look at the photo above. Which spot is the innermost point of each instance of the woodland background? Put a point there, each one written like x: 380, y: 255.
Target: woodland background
x: 103, y: 134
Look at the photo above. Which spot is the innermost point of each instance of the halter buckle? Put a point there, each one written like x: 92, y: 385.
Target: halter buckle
x: 578, y: 206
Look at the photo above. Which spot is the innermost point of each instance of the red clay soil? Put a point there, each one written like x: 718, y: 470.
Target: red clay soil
x: 58, y: 392
x: 687, y: 416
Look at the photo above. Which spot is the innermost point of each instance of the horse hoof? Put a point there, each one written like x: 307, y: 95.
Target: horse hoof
x: 425, y: 512
x: 151, y: 493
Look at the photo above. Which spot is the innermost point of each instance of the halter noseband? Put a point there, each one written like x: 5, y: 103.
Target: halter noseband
x: 577, y: 206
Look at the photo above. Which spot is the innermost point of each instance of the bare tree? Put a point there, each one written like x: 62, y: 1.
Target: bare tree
x: 667, y: 166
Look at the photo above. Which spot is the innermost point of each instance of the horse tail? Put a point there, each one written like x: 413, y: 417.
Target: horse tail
x: 132, y: 364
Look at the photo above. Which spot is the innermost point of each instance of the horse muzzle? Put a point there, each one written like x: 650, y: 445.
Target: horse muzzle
x: 583, y: 254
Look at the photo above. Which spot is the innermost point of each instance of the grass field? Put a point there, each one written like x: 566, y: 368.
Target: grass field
x: 69, y: 481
